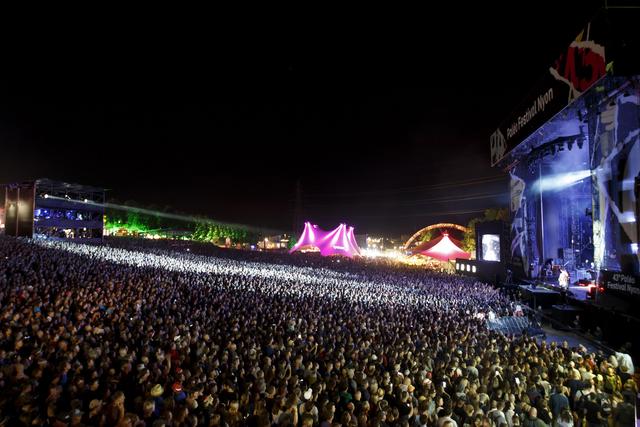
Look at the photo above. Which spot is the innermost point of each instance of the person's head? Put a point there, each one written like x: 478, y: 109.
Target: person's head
x: 148, y: 407
x: 118, y: 398
x: 307, y: 420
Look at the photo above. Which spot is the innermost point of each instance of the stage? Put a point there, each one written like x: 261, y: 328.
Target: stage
x: 539, y: 296
x: 572, y: 150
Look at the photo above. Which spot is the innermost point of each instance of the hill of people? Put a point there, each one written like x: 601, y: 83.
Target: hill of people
x: 131, y: 334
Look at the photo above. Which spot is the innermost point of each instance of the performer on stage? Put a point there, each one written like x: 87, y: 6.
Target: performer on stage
x: 563, y: 281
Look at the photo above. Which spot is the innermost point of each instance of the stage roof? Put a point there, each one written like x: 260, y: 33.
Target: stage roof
x: 602, y: 53
x: 339, y: 241
x: 442, y: 248
x: 56, y: 186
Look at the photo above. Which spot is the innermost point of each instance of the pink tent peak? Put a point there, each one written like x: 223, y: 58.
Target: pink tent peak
x: 339, y: 241
x: 445, y: 250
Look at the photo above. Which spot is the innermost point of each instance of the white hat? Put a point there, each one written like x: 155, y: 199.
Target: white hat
x: 307, y: 394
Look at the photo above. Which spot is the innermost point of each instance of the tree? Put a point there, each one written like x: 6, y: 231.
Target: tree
x: 469, y: 239
x: 501, y: 214
x: 426, y: 236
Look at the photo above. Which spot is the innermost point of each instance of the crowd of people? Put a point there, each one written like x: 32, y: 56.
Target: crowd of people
x: 126, y: 335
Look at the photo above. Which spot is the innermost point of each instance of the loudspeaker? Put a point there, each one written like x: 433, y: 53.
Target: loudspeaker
x: 11, y: 211
x: 628, y: 263
x: 564, y: 315
x: 19, y: 202
x: 26, y: 203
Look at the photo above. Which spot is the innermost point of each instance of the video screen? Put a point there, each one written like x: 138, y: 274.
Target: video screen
x: 490, y: 247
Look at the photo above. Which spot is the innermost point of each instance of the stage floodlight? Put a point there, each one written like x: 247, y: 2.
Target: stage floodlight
x: 560, y: 181
x: 473, y: 268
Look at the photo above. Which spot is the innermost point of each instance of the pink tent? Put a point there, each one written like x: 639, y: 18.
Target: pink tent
x: 339, y: 241
x: 445, y: 250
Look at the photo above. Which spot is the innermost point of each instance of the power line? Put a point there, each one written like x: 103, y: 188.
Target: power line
x: 416, y: 215
x: 418, y: 202
x: 442, y: 186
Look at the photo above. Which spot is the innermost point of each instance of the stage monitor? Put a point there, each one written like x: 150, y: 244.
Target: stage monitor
x: 491, y: 247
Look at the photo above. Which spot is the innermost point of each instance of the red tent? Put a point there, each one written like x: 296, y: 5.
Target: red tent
x: 443, y: 248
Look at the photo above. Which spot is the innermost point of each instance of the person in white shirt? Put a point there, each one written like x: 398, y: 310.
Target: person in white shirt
x: 625, y: 360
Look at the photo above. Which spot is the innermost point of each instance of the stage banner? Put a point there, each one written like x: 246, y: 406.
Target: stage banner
x: 622, y: 284
x: 616, y: 162
x: 573, y: 72
x: 519, y: 256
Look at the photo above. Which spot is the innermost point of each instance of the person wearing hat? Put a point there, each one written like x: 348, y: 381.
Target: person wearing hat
x: 178, y: 394
x: 156, y: 395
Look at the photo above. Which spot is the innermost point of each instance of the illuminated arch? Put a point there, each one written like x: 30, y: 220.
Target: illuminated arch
x: 441, y: 225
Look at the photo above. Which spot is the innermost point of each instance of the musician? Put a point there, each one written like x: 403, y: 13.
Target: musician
x: 563, y: 281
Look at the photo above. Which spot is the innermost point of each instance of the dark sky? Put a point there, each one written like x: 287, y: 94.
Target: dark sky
x: 385, y: 121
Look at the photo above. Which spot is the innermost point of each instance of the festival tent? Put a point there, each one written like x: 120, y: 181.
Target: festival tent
x: 339, y: 241
x: 443, y: 248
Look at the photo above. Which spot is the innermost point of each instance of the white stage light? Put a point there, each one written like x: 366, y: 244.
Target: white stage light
x: 560, y: 181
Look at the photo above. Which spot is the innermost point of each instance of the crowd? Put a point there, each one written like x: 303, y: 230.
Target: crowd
x: 108, y: 335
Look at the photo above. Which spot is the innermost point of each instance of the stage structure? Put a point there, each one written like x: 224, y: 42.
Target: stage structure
x: 573, y: 152
x: 443, y: 248
x: 53, y: 209
x: 492, y: 247
x: 339, y: 241
x: 440, y: 226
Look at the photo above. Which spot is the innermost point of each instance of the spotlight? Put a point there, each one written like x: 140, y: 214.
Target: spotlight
x: 570, y: 145
x: 473, y: 268
x: 559, y: 181
x: 46, y: 196
x: 580, y: 144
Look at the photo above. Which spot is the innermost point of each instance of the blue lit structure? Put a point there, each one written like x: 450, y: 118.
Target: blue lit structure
x: 572, y: 150
x: 54, y: 209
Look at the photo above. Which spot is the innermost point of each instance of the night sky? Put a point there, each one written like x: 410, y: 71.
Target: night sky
x: 385, y: 122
